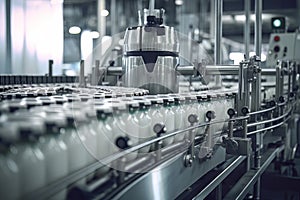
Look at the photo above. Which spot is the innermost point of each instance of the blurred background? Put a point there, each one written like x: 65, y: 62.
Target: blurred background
x: 67, y: 31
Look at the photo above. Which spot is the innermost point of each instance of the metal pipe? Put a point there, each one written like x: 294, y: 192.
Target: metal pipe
x: 50, y: 68
x: 257, y: 43
x: 257, y: 96
x: 218, y: 36
x: 81, y: 74
x: 278, y: 75
x: 210, y: 70
x: 269, y: 120
x: 268, y: 128
x: 247, y: 8
x: 151, y: 6
x: 97, y: 71
x: 113, y: 17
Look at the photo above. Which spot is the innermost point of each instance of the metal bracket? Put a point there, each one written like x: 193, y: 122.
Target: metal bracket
x: 190, y: 156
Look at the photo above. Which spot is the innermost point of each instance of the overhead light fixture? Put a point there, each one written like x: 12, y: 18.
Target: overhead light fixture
x: 179, y: 2
x: 95, y: 34
x: 56, y: 1
x: 104, y: 13
x: 74, y: 30
x: 240, y: 18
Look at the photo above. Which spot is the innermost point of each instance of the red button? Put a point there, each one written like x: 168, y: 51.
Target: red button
x: 276, y: 38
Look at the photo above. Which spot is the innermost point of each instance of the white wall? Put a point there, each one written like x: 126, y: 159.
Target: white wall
x: 2, y: 37
x: 37, y: 35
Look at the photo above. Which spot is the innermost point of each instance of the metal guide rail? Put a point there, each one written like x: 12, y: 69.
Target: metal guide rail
x: 185, y: 147
x: 65, y: 182
x: 216, y: 123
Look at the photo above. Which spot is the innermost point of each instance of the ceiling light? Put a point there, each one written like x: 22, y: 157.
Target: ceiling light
x: 95, y: 34
x: 240, y: 18
x: 56, y: 1
x: 104, y: 13
x: 179, y: 2
x: 74, y: 30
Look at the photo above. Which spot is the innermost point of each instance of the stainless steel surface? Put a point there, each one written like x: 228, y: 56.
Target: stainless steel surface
x: 257, y: 43
x: 245, y: 184
x: 247, y: 8
x: 163, y: 78
x: 218, y: 36
x: 210, y: 70
x: 151, y: 56
x: 81, y: 74
x: 161, y: 182
x: 279, y: 81
x: 148, y: 39
x: 216, y: 181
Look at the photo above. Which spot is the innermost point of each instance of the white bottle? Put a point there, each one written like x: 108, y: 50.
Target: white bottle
x: 77, y: 154
x: 9, y: 170
x: 54, y: 148
x: 169, y: 117
x: 144, y: 121
x: 104, y: 133
x: 29, y: 157
x: 131, y: 124
x: 90, y: 133
x: 105, y: 137
x: 201, y: 110
x: 190, y: 106
x: 155, y: 113
x: 180, y: 114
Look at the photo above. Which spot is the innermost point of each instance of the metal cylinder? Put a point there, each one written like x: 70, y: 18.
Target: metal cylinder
x: 247, y: 9
x: 218, y: 35
x: 151, y: 56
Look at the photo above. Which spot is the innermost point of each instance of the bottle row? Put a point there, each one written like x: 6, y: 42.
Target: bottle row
x: 43, y: 139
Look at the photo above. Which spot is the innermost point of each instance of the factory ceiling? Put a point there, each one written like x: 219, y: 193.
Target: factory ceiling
x: 84, y: 13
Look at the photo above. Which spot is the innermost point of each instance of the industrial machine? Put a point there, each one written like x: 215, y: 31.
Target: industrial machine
x: 283, y: 46
x: 70, y: 138
x: 151, y: 55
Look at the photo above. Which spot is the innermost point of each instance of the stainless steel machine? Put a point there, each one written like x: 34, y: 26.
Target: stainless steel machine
x: 69, y: 138
x: 151, y: 55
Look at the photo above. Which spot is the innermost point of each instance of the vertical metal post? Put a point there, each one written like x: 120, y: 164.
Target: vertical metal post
x: 8, y: 67
x: 100, y: 26
x: 257, y: 89
x: 93, y: 76
x: 50, y: 68
x: 218, y: 36
x: 289, y: 79
x: 257, y: 42
x: 81, y: 74
x: 113, y: 17
x: 278, y: 75
x: 212, y: 17
x: 97, y: 71
x: 247, y: 8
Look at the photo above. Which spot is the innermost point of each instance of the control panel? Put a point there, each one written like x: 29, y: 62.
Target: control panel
x: 283, y: 46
